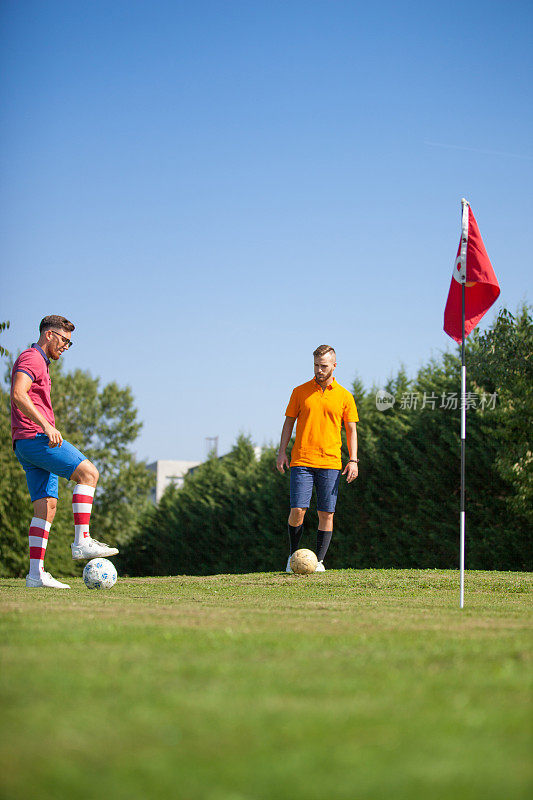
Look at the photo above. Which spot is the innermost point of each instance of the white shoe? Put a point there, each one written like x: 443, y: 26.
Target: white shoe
x: 90, y: 548
x: 288, y: 567
x: 44, y: 581
x: 320, y: 567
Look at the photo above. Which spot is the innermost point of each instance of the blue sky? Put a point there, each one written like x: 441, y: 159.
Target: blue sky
x: 209, y: 190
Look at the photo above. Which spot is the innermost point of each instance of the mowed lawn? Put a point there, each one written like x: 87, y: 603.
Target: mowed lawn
x: 356, y: 684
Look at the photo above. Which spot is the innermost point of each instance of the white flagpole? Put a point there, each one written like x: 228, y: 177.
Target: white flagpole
x: 463, y: 452
x: 462, y: 260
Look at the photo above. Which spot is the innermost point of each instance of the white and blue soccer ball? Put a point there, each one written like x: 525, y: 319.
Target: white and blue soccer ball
x: 99, y: 573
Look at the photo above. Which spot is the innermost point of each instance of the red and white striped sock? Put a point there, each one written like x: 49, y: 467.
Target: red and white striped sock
x: 39, y: 530
x: 82, y: 505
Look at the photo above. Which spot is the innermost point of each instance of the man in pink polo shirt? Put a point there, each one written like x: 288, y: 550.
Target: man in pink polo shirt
x: 45, y: 455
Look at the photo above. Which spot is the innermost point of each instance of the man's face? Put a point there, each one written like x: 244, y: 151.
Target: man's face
x: 58, y: 341
x: 324, y: 367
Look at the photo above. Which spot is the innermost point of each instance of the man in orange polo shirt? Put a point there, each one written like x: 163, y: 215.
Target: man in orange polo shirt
x: 320, y: 407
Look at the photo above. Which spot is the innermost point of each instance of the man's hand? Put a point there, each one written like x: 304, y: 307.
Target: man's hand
x: 282, y: 462
x: 54, y: 437
x: 351, y: 470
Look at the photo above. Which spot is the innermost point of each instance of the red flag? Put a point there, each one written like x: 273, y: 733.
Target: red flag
x: 473, y: 268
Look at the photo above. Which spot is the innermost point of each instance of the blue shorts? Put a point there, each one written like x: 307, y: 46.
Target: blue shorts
x: 42, y: 464
x: 325, y: 481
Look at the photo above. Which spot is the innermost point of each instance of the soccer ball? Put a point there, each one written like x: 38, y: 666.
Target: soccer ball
x: 303, y: 562
x: 99, y: 573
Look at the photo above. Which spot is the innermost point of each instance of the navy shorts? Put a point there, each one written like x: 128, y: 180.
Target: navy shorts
x: 42, y: 464
x: 325, y: 481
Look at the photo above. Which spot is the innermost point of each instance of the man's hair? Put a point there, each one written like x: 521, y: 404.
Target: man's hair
x: 323, y: 349
x: 53, y: 321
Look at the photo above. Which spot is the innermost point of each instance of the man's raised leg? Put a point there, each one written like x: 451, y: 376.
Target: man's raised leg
x: 84, y: 546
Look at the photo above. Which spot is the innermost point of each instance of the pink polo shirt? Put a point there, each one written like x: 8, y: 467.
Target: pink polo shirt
x: 32, y: 362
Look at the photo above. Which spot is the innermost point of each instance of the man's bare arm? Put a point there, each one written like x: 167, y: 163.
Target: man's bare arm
x: 286, y: 433
x: 351, y: 470
x: 19, y: 392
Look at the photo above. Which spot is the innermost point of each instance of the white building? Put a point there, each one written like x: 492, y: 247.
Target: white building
x: 169, y: 473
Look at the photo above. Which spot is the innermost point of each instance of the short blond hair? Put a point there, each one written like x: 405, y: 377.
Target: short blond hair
x: 323, y: 350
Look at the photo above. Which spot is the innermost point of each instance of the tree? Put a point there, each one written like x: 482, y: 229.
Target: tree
x: 3, y: 326
x: 501, y: 361
x: 227, y: 517
x: 403, y: 510
x: 13, y: 492
x: 103, y: 424
x: 15, y: 507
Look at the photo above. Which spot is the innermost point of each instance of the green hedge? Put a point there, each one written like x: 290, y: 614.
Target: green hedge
x: 402, y: 511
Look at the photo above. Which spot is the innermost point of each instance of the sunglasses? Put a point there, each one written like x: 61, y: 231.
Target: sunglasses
x: 66, y: 342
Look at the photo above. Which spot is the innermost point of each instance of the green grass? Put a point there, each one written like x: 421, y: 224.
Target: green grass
x: 352, y: 684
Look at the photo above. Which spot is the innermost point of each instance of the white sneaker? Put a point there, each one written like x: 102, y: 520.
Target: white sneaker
x: 288, y: 567
x: 90, y: 548
x: 44, y: 581
x: 320, y: 567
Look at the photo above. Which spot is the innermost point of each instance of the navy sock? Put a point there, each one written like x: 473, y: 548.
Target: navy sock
x: 323, y: 538
x: 295, y: 533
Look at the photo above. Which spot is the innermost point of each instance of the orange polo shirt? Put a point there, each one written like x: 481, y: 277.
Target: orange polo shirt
x: 320, y: 415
